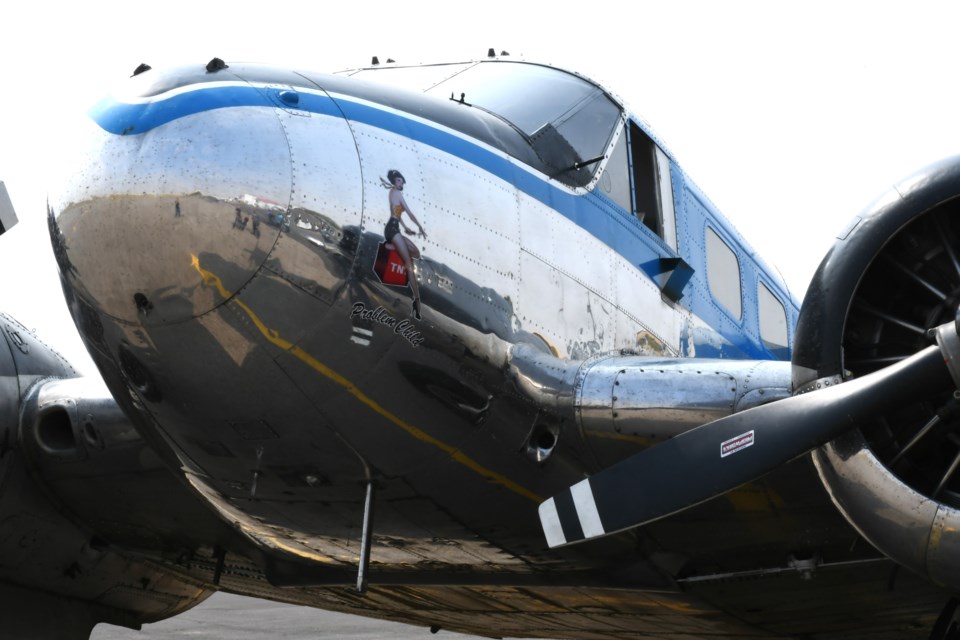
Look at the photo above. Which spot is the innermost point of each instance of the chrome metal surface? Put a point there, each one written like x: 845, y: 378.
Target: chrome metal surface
x: 253, y: 268
x: 949, y: 343
x: 223, y: 250
x: 68, y: 457
x: 65, y: 419
x: 916, y: 531
x: 642, y: 398
x: 654, y: 399
x: 889, y: 288
x: 820, y: 383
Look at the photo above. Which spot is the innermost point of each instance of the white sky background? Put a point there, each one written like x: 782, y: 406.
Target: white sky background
x: 791, y: 117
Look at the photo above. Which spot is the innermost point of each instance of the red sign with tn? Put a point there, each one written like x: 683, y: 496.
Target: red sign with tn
x: 389, y: 266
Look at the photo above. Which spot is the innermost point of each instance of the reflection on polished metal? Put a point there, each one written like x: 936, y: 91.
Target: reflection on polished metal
x: 232, y: 303
x: 894, y: 275
x: 65, y: 418
x: 231, y: 299
x: 914, y: 530
x: 237, y: 249
x: 917, y: 530
x: 646, y: 398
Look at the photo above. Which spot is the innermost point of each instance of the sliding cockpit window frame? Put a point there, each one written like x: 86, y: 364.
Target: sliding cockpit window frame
x: 637, y: 177
x: 615, y: 181
x: 668, y: 216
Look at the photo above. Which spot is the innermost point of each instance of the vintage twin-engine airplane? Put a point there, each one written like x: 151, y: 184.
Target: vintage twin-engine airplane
x: 307, y: 401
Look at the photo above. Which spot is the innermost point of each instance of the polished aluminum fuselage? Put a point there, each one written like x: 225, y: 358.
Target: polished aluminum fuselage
x: 275, y: 363
x: 219, y: 247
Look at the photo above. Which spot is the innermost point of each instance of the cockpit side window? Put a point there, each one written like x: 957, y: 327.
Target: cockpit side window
x: 645, y: 173
x: 615, y: 180
x: 637, y: 177
x: 588, y: 127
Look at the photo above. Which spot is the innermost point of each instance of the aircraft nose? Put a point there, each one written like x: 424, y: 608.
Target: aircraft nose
x: 182, y: 198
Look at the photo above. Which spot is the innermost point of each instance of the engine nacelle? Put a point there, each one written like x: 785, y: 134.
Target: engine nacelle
x: 79, y: 489
x: 892, y: 277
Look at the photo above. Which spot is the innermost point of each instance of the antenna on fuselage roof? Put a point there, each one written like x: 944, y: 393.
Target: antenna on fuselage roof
x: 8, y: 217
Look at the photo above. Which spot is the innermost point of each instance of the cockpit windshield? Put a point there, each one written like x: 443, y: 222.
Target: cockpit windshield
x: 566, y: 119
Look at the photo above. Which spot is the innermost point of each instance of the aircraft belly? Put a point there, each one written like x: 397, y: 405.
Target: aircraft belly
x: 549, y: 612
x: 431, y: 427
x: 268, y: 432
x: 857, y: 602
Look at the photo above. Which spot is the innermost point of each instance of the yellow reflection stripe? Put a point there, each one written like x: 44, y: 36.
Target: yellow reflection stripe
x: 273, y: 336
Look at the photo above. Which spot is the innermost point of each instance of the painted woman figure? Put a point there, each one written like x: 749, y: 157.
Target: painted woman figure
x: 391, y: 232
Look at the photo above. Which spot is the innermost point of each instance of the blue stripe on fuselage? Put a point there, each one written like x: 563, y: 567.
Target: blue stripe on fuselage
x: 124, y: 118
x: 130, y: 119
x: 587, y: 212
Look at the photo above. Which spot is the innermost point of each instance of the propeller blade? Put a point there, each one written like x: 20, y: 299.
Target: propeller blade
x: 719, y: 456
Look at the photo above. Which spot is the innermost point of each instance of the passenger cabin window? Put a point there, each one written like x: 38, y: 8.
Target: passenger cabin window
x: 773, y: 320
x: 723, y: 274
x: 637, y: 177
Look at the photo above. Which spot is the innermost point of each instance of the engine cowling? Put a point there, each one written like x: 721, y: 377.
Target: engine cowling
x: 891, y: 278
x: 84, y: 503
